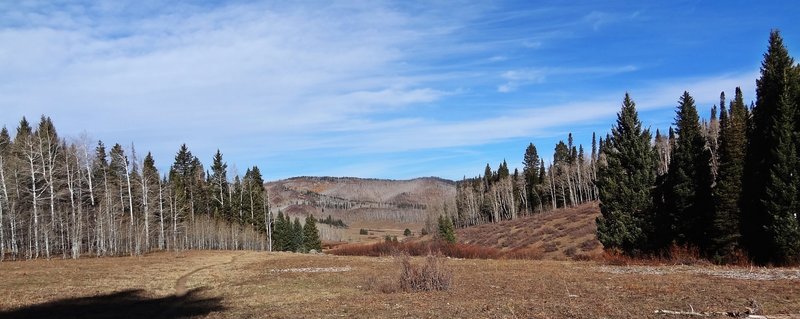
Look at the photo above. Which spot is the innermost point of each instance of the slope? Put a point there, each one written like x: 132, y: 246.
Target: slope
x: 560, y: 234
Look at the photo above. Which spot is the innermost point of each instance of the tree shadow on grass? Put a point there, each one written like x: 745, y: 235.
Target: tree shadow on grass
x: 123, y: 304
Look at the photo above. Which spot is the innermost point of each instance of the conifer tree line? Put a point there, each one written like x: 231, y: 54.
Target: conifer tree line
x: 499, y: 195
x: 68, y: 199
x: 727, y: 186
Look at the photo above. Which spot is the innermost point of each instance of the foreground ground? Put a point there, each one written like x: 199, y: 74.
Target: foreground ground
x: 263, y: 285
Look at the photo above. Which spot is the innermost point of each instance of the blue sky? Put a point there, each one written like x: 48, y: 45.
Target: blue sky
x: 368, y: 88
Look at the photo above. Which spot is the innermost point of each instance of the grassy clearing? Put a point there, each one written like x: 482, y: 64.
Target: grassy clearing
x: 263, y: 285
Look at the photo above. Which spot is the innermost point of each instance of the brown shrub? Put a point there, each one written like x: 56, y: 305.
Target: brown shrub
x: 418, y: 249
x: 615, y: 258
x: 547, y: 230
x: 581, y: 231
x: 570, y: 252
x: 589, y: 244
x: 583, y: 257
x: 550, y: 247
x: 530, y: 253
x: 381, y: 285
x: 432, y: 275
x: 469, y: 251
x: 685, y: 255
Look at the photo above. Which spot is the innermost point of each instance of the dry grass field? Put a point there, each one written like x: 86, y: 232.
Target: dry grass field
x: 223, y: 284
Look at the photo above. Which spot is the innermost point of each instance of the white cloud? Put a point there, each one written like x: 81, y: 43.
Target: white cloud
x: 521, y: 77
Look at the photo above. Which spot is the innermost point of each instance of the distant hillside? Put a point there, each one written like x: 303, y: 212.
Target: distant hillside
x: 558, y: 234
x: 350, y: 192
x: 385, y: 207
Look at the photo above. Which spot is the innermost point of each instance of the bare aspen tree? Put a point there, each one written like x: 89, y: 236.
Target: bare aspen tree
x: 160, y: 215
x: 3, y: 201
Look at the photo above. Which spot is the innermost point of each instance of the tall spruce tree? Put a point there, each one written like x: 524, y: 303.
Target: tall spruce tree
x: 781, y: 226
x: 688, y: 192
x: 311, y: 235
x: 281, y: 233
x: 297, y: 236
x: 218, y: 186
x: 726, y: 231
x: 624, y: 183
x: 767, y: 153
x: 530, y: 170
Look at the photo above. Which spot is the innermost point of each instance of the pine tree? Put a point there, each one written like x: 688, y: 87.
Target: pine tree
x: 530, y: 170
x: 732, y: 147
x: 689, y: 180
x: 624, y: 183
x: 488, y: 176
x: 781, y: 226
x: 255, y: 198
x: 766, y: 152
x: 311, y: 238
x: 446, y: 229
x: 180, y: 176
x: 502, y: 171
x: 150, y: 179
x: 297, y: 236
x: 281, y: 234
x: 218, y: 186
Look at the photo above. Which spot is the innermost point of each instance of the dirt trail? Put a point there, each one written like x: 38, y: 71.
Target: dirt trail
x: 180, y: 284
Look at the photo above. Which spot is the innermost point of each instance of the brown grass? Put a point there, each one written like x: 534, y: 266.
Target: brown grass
x: 256, y: 285
x: 561, y: 234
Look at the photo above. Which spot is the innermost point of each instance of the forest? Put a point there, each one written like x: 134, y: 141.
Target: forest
x: 726, y: 187
x: 67, y: 198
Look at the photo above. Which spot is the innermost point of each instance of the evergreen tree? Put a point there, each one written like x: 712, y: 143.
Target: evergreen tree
x: 530, y: 170
x: 688, y: 192
x: 502, y: 171
x: 297, y: 236
x: 180, y: 176
x: 488, y: 175
x: 766, y: 153
x: 281, y: 234
x: 446, y: 229
x: 781, y: 226
x: 255, y: 205
x: 732, y: 147
x: 218, y: 186
x: 311, y: 238
x: 624, y: 183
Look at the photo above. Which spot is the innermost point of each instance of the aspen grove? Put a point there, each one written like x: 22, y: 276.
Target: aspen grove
x: 61, y: 198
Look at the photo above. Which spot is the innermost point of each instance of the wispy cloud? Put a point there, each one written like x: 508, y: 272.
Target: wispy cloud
x: 517, y: 78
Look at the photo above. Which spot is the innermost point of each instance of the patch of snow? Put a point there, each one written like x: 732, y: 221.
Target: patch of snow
x: 314, y: 270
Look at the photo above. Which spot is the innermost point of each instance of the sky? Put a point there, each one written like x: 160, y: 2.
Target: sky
x: 371, y: 88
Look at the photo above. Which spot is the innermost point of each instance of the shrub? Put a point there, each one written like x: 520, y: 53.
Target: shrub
x: 363, y: 231
x: 589, y: 244
x: 386, y: 248
x: 432, y: 275
x: 570, y: 252
x: 407, y: 232
x: 531, y: 253
x: 686, y: 255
